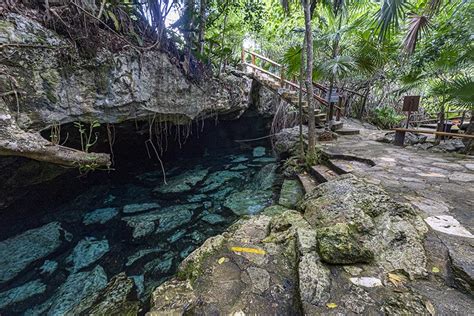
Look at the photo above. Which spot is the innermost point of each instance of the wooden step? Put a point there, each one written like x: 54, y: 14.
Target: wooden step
x: 348, y: 131
x: 307, y: 182
x: 337, y: 125
x: 322, y: 173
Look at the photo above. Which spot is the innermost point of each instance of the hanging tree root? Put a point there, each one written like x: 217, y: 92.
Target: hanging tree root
x: 16, y: 142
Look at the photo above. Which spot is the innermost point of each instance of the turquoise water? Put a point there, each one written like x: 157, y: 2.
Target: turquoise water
x: 56, y: 254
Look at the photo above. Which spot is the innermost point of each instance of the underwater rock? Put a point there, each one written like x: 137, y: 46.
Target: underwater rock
x: 100, y: 216
x: 218, y: 178
x: 176, y: 236
x: 186, y: 251
x: 21, y: 293
x: 213, y: 218
x: 264, y: 179
x: 259, y: 151
x: 168, y: 218
x: 139, y: 281
x: 20, y: 251
x: 183, y: 182
x: 291, y: 192
x: 239, y: 159
x: 117, y: 298
x: 48, y: 267
x: 160, y: 265
x: 221, y: 194
x: 338, y: 244
x: 239, y: 167
x: 247, y: 202
x: 142, y: 253
x: 196, y: 198
x: 265, y: 159
x: 86, y: 252
x: 136, y: 208
x: 68, y: 297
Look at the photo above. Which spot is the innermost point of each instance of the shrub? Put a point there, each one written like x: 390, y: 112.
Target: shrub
x: 386, y: 117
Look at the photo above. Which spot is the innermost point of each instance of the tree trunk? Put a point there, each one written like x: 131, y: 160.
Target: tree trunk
x: 470, y: 131
x: 300, y: 100
x: 309, y: 83
x: 202, y: 25
x: 188, y: 33
x: 221, y: 61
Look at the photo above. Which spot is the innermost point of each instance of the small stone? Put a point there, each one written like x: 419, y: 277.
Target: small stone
x: 86, y: 252
x: 470, y: 166
x: 366, y: 281
x: 136, y: 208
x: 353, y: 270
x: 100, y: 216
x: 259, y: 151
x: 461, y: 177
x: 48, y: 267
x: 448, y: 225
x: 21, y: 293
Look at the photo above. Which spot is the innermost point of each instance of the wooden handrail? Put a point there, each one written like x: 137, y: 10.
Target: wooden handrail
x: 262, y: 70
x: 263, y: 58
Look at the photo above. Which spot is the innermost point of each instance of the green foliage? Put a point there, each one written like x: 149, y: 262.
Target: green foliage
x: 386, y: 117
x: 87, y: 135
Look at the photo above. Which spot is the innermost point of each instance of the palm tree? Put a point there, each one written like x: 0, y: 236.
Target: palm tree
x: 308, y: 8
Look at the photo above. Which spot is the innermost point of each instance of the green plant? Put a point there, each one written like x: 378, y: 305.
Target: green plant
x: 87, y: 134
x: 386, y: 117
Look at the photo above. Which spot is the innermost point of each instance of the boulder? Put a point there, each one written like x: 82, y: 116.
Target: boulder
x: 183, y: 182
x: 218, y: 179
x: 338, y: 244
x: 20, y: 251
x: 410, y: 138
x: 259, y: 152
x: 291, y: 193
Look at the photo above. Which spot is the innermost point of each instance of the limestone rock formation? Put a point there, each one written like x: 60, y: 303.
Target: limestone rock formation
x: 40, y: 86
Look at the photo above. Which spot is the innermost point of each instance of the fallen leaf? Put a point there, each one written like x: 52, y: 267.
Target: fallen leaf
x: 430, y: 308
x: 435, y: 270
x: 331, y: 305
x: 221, y: 260
x: 397, y: 279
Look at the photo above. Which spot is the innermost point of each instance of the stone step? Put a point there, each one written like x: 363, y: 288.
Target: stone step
x: 348, y: 131
x: 322, y: 173
x: 308, y: 183
x: 337, y: 125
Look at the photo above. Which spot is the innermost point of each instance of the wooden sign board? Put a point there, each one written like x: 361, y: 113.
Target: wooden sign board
x: 411, y: 103
x: 334, y: 96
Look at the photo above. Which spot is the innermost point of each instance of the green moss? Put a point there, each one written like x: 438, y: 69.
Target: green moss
x: 51, y: 82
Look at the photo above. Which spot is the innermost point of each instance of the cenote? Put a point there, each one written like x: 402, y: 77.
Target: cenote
x: 66, y: 238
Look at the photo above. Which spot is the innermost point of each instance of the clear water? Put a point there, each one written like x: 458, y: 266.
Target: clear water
x: 141, y: 239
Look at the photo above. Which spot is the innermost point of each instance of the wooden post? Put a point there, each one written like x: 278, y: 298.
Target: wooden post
x: 243, y: 55
x: 399, y: 138
x: 339, y: 107
x: 282, y: 77
x: 253, y: 62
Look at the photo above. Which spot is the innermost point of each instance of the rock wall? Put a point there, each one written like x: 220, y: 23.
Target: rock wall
x: 44, y: 81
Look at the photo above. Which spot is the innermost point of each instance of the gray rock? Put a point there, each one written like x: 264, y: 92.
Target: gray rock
x: 259, y: 151
x: 286, y: 141
x: 410, y: 138
x: 291, y: 192
x: 260, y: 279
x: 100, y: 216
x: 265, y: 178
x: 68, y: 297
x: 213, y: 218
x: 86, y: 252
x: 136, y: 208
x: 449, y: 145
x: 21, y: 293
x: 48, y: 267
x: 183, y: 182
x: 314, y: 281
x: 20, y: 251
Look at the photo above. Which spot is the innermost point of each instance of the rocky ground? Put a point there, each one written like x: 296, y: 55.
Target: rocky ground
x: 391, y: 237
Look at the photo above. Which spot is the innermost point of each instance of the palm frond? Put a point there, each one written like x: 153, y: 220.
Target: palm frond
x: 416, y: 25
x: 389, y: 15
